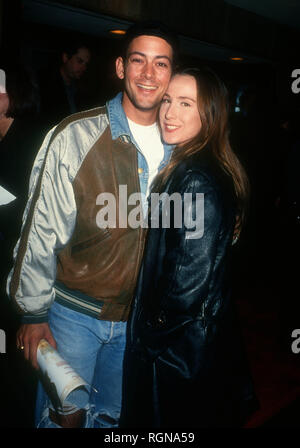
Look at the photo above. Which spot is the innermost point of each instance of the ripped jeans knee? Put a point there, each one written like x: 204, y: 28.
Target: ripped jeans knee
x: 68, y: 417
x: 102, y: 419
x: 72, y: 415
x: 77, y: 418
x: 50, y: 413
x: 95, y: 350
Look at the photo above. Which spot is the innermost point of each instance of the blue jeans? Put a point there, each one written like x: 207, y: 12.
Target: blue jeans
x: 95, y: 350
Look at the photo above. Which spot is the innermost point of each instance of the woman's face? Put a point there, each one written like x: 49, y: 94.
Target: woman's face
x: 179, y: 115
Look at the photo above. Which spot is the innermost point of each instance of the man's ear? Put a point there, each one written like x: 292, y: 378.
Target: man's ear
x: 64, y: 58
x: 120, y: 67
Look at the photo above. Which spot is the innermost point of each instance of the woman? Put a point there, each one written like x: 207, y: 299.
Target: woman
x: 185, y: 364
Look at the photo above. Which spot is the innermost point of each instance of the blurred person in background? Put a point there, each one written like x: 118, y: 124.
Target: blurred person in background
x: 59, y: 85
x: 19, y: 141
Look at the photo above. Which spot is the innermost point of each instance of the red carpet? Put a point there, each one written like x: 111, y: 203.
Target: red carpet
x: 276, y: 374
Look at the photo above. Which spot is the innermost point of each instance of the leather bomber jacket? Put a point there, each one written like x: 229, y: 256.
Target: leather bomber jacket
x: 60, y: 239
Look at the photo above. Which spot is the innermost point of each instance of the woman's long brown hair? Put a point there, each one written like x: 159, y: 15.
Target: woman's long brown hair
x: 213, y: 109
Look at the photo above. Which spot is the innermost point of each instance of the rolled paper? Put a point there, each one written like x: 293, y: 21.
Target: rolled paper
x: 61, y: 375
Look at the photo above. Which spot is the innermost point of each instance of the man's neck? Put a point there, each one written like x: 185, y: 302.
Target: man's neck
x: 142, y: 117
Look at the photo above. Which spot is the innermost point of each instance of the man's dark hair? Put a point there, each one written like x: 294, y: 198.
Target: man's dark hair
x: 22, y: 90
x: 151, y: 28
x: 72, y: 45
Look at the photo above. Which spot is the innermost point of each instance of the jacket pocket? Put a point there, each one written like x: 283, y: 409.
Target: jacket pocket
x: 100, y: 236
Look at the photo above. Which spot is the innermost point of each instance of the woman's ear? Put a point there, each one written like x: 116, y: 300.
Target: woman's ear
x: 120, y: 67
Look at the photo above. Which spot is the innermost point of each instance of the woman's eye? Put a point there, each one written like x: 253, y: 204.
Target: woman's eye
x: 185, y: 104
x: 165, y: 100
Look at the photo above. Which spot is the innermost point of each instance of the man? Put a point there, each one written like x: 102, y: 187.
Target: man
x: 72, y: 280
x: 58, y: 87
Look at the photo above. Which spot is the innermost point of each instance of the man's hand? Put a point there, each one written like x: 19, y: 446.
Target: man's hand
x: 29, y: 336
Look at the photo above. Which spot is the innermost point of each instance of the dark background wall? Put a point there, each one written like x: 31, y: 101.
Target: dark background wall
x: 273, y: 46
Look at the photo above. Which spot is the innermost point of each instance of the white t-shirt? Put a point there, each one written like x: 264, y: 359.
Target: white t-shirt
x: 149, y: 141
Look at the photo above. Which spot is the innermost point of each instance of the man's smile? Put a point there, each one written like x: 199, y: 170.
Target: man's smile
x: 146, y: 87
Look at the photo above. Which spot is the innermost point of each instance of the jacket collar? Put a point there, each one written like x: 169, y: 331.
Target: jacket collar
x: 117, y: 118
x: 119, y: 124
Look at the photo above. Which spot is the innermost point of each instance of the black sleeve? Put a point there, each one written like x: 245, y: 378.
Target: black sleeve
x: 191, y: 252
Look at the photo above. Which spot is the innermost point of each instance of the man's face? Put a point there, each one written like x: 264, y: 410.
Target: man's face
x: 146, y: 71
x: 76, y: 65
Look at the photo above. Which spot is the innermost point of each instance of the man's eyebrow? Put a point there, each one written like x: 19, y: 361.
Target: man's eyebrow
x: 163, y: 56
x: 136, y: 52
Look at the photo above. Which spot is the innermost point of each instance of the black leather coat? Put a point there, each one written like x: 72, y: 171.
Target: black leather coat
x: 185, y: 364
